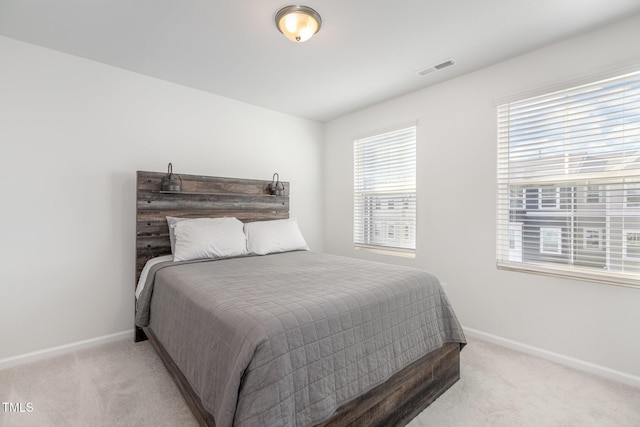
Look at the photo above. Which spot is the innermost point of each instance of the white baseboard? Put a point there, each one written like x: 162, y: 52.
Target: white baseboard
x: 570, y: 362
x: 63, y: 349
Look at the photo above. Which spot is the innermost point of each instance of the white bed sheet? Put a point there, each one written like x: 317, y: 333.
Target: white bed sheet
x: 145, y: 271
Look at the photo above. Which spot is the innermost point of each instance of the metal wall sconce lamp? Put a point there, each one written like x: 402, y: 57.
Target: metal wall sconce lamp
x: 171, y: 181
x: 276, y: 188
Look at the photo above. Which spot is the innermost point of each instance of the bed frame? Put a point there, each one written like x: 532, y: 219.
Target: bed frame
x: 393, y: 403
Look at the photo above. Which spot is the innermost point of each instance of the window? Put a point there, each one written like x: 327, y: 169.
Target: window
x: 632, y: 196
x: 385, y: 191
x: 593, y: 194
x: 515, y: 242
x: 592, y: 239
x: 517, y: 198
x: 550, y: 240
x: 632, y: 244
x: 576, y: 152
x: 549, y: 198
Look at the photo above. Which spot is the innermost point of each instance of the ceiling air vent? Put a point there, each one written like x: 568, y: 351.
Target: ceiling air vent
x: 438, y: 67
x: 445, y: 64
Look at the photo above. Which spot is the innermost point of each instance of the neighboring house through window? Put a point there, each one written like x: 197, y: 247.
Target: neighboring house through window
x: 385, y: 191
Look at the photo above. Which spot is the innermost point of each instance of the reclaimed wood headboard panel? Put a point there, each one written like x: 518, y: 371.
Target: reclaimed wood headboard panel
x: 201, y: 196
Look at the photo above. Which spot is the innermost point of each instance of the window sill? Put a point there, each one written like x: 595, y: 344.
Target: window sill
x: 615, y: 279
x: 404, y: 253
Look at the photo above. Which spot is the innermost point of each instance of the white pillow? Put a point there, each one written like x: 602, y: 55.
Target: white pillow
x: 281, y: 235
x: 202, y: 238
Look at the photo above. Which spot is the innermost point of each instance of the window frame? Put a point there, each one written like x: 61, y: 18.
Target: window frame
x: 585, y: 244
x: 586, y: 164
x: 635, y: 203
x: 519, y: 200
x: 555, y: 198
x: 625, y: 243
x: 557, y: 230
x: 394, y: 198
x: 590, y: 192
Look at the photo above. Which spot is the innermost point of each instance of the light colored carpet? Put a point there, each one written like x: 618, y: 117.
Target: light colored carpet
x: 501, y: 387
x: 125, y: 384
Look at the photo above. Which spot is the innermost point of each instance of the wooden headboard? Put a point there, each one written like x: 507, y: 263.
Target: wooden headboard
x: 201, y: 196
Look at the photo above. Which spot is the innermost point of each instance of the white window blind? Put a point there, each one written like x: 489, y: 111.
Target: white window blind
x: 569, y: 180
x: 385, y: 190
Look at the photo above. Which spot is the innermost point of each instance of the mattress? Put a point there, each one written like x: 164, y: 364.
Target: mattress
x: 285, y: 339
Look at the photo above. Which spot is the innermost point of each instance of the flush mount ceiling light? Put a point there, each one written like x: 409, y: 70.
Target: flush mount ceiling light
x: 298, y: 23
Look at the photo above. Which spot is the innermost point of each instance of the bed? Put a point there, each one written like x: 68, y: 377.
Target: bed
x: 289, y: 338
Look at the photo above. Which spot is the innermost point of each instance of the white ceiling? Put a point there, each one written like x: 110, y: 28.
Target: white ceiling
x: 367, y: 51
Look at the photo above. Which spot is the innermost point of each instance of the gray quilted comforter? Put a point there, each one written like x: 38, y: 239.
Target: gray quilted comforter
x: 285, y: 339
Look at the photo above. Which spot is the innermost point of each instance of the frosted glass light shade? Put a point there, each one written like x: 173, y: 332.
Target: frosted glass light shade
x: 298, y: 23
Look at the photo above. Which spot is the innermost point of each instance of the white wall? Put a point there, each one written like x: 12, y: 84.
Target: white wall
x: 72, y: 134
x: 594, y: 323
